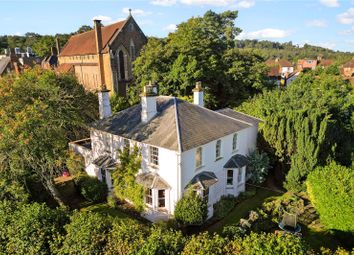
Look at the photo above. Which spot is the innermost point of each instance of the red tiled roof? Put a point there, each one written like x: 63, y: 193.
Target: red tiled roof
x: 326, y: 62
x: 349, y: 64
x: 64, y: 68
x: 85, y: 43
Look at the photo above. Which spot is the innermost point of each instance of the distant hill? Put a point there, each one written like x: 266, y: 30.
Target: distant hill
x: 293, y: 52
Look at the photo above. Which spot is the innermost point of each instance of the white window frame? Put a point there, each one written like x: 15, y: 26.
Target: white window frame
x: 149, y: 197
x: 199, y: 161
x: 218, y: 149
x: 235, y: 142
x: 154, y: 155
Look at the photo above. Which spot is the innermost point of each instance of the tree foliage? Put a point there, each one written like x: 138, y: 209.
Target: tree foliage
x: 331, y: 190
x: 124, y: 180
x: 91, y: 188
x: 307, y: 124
x: 191, y: 209
x: 202, y: 48
x: 40, y: 112
x: 259, y: 165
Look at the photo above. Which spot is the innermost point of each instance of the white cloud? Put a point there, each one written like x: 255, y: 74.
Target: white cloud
x: 164, y: 2
x: 244, y: 4
x: 267, y: 33
x: 317, y: 23
x: 346, y: 17
x: 170, y: 28
x: 330, y: 3
x: 102, y: 18
x: 136, y: 12
x: 349, y: 31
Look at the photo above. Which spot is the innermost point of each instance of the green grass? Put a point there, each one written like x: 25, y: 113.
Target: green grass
x: 242, y: 209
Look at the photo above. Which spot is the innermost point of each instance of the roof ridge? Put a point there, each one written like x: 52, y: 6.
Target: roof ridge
x: 179, y: 142
x: 93, y: 29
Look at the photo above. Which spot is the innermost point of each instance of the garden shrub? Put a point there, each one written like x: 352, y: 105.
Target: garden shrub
x: 91, y: 188
x: 75, y: 164
x: 204, y: 244
x: 232, y: 231
x: 224, y: 206
x: 87, y: 234
x: 191, y: 209
x: 259, y: 165
x: 31, y: 229
x: 126, y: 237
x: 118, y: 103
x: 331, y: 191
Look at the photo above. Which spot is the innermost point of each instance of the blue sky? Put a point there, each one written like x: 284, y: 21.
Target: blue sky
x: 327, y: 23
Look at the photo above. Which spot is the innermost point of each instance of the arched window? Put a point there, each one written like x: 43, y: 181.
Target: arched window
x: 132, y: 50
x: 121, y: 65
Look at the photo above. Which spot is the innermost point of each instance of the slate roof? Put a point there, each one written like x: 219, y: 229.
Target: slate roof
x: 240, y: 116
x: 152, y: 181
x: 204, y: 180
x: 236, y: 161
x: 105, y: 161
x: 178, y: 125
x: 85, y: 43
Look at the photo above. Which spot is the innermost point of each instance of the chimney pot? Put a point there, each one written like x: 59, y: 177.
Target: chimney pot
x: 198, y: 94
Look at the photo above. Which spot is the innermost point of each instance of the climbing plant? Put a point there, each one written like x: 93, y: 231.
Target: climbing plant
x: 125, y: 186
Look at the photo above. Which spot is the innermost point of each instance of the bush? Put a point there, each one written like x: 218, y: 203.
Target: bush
x: 30, y: 228
x: 91, y: 188
x: 87, y: 234
x: 191, y: 209
x: 259, y: 165
x: 224, y: 206
x: 233, y: 231
x: 75, y: 164
x: 203, y: 244
x: 267, y: 244
x: 331, y: 191
x: 118, y: 103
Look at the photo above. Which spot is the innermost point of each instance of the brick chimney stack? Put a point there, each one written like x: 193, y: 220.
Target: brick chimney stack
x: 98, y: 37
x: 57, y: 44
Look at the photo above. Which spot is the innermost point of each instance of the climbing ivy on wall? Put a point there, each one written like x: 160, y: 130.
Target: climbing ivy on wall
x: 125, y: 186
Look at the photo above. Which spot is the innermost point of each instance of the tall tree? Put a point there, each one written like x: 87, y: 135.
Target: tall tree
x: 40, y: 112
x: 202, y: 48
x: 308, y: 124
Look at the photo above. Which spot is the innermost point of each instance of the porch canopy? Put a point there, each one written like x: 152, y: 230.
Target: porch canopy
x: 237, y: 161
x: 152, y: 181
x: 203, y: 180
x: 106, y: 162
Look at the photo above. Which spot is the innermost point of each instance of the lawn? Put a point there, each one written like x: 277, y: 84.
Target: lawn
x: 242, y: 209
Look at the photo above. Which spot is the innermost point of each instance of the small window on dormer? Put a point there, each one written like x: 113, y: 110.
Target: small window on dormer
x: 218, y: 149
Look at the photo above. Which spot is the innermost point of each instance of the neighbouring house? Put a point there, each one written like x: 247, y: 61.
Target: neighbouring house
x: 306, y: 64
x: 14, y: 60
x: 182, y: 145
x: 348, y: 69
x: 104, y: 55
x: 51, y: 61
x: 280, y: 70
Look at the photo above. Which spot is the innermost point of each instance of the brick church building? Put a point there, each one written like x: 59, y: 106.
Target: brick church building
x: 104, y: 55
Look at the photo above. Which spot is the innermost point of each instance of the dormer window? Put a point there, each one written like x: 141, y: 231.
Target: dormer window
x: 154, y: 155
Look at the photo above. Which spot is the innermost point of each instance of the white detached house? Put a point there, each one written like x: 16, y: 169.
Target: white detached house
x: 182, y: 145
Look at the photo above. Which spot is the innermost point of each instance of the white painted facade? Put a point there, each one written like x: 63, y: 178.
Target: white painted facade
x: 177, y: 169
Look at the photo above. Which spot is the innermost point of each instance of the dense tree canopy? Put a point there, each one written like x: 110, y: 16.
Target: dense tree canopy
x: 202, y: 48
x: 40, y: 112
x: 307, y: 124
x: 331, y: 190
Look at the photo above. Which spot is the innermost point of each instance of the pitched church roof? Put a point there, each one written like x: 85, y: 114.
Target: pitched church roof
x: 85, y: 43
x: 178, y: 125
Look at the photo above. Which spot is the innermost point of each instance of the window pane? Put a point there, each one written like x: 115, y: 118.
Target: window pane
x: 230, y: 177
x: 198, y: 157
x: 234, y: 142
x: 218, y: 149
x: 148, y: 196
x: 161, y: 194
x: 154, y: 155
x: 239, y: 177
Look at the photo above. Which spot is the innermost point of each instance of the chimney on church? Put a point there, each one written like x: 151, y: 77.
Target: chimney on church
x: 148, y: 102
x: 57, y: 45
x: 198, y: 94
